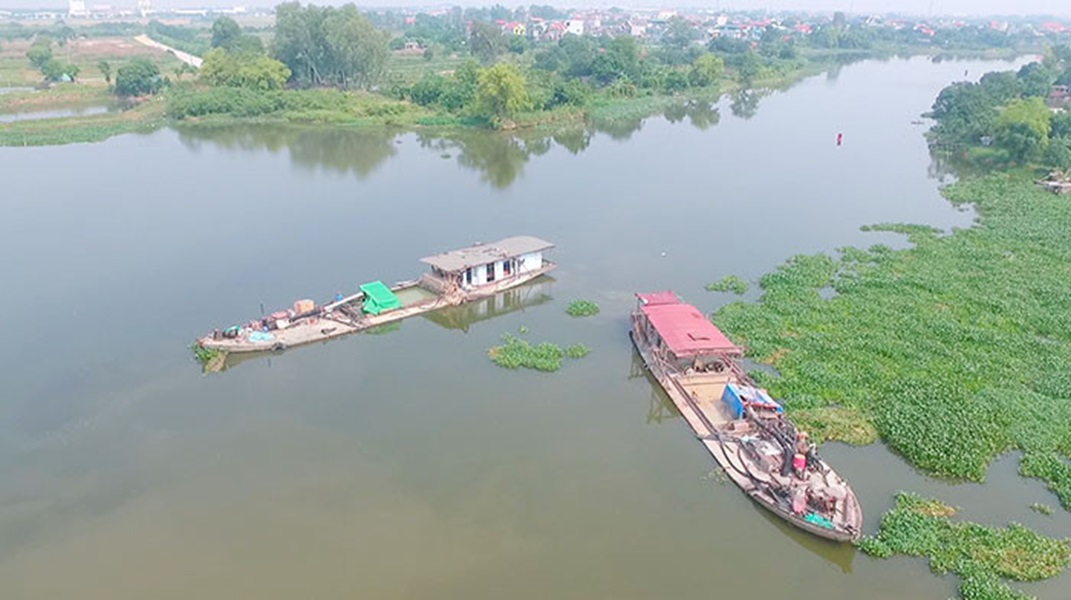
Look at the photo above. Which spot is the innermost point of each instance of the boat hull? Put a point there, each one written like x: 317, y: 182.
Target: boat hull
x: 335, y: 322
x: 716, y: 433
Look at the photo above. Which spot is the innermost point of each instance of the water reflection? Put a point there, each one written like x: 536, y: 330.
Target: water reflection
x: 745, y: 103
x: 348, y: 151
x: 840, y: 555
x: 517, y: 299
x: 498, y: 157
x: 659, y: 408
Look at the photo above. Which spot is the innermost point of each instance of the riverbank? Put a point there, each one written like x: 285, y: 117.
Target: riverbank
x: 187, y: 104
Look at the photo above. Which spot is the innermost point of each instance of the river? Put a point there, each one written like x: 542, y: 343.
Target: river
x: 407, y: 465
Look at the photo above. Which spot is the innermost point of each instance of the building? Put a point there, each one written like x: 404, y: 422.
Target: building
x: 76, y: 8
x: 483, y: 264
x: 574, y: 26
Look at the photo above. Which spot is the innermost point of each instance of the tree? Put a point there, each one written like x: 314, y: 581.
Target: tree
x: 748, y: 66
x: 486, y: 41
x: 40, y: 52
x: 675, y: 81
x: 1036, y: 79
x: 679, y: 33
x: 1058, y: 154
x: 243, y: 70
x: 1023, y: 128
x: 706, y: 70
x: 105, y: 69
x: 620, y: 58
x: 327, y: 45
x: 140, y: 77
x: 500, y: 92
x: 359, y: 49
x: 54, y: 70
x: 226, y: 33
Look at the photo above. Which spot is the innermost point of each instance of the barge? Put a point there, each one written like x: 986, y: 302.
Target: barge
x: 743, y: 428
x: 455, y: 277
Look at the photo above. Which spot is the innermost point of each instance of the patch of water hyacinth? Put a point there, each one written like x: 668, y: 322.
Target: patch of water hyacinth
x: 516, y: 353
x: 582, y: 308
x: 954, y: 351
x: 729, y: 283
x: 982, y: 557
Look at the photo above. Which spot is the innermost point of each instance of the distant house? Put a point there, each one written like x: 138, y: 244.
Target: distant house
x: 554, y: 31
x: 411, y: 47
x: 1059, y: 97
x: 574, y: 26
x: 637, y: 28
x: 515, y: 28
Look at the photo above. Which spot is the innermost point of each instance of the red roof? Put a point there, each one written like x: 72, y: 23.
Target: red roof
x: 685, y: 330
x: 666, y: 297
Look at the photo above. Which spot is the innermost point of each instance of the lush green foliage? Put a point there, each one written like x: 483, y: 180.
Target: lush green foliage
x: 582, y: 308
x: 140, y: 77
x: 980, y: 555
x: 729, y: 283
x: 205, y: 355
x: 194, y: 40
x: 40, y: 52
x: 957, y: 350
x: 241, y: 69
x: 296, y: 105
x: 1007, y: 110
x: 500, y: 92
x: 329, y: 46
x: 516, y: 353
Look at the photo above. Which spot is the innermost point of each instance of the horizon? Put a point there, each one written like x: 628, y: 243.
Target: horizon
x: 921, y: 8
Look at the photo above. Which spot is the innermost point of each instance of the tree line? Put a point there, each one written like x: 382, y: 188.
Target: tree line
x: 1008, y: 113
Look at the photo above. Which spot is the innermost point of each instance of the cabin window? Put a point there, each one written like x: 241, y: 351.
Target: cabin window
x: 468, y: 276
x: 490, y: 272
x: 507, y: 268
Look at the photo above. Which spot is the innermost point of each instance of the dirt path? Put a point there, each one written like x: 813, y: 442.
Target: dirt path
x: 186, y: 57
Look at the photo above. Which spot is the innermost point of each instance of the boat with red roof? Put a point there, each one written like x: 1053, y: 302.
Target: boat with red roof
x: 743, y: 428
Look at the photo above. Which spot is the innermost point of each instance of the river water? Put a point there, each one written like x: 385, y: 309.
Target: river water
x: 407, y: 465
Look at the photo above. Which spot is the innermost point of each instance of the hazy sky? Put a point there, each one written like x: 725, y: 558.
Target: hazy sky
x: 919, y: 7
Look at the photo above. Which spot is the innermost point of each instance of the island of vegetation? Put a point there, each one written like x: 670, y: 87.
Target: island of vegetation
x: 957, y: 349
x: 476, y: 67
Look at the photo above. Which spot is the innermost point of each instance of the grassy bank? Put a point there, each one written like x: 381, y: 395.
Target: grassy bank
x: 80, y: 129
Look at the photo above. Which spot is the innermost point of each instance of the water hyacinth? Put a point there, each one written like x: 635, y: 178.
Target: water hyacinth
x: 516, y: 353
x: 582, y: 308
x: 729, y: 283
x: 955, y: 350
x: 981, y: 556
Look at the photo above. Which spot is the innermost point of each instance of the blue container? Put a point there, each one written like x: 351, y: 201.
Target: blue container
x: 735, y: 395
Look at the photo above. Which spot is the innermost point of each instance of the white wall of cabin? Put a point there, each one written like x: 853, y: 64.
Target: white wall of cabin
x: 529, y: 262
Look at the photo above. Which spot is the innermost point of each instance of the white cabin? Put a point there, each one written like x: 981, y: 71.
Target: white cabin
x: 485, y: 264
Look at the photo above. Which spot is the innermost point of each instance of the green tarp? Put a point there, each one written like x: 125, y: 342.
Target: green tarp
x: 378, y: 298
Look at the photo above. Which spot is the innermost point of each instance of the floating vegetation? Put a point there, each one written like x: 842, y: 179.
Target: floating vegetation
x: 582, y: 308
x: 981, y: 556
x: 211, y: 359
x: 577, y: 351
x: 515, y: 353
x: 1040, y: 508
x: 955, y: 350
x: 729, y: 283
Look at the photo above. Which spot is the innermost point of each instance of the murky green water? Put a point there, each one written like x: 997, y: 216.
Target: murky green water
x: 406, y: 465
